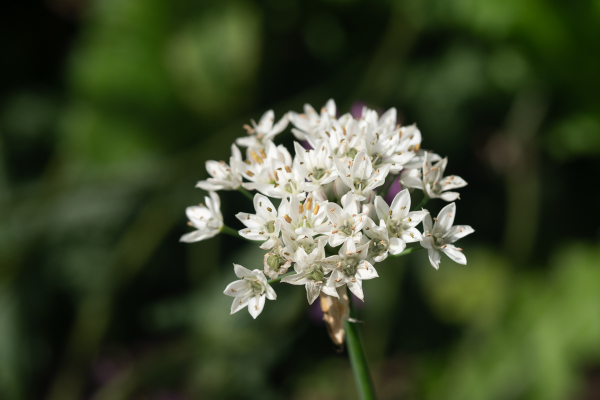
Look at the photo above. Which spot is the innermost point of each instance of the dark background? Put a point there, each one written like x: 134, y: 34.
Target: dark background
x: 109, y: 109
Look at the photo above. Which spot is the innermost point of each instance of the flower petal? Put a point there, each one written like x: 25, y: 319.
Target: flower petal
x: 256, y: 305
x: 455, y: 255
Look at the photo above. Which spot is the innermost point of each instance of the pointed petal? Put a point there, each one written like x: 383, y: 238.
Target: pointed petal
x: 401, y: 204
x: 356, y: 288
x: 237, y: 288
x: 434, y: 258
x: 455, y: 255
x: 457, y: 232
x: 256, y: 305
x: 239, y: 303
x: 241, y: 272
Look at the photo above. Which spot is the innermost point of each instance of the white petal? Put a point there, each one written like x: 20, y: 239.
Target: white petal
x: 434, y: 258
x: 296, y: 279
x: 256, y: 305
x: 416, y: 235
x: 356, y: 288
x: 457, y: 232
x: 312, y: 291
x: 381, y: 208
x: 427, y: 223
x: 241, y: 272
x: 239, y: 303
x: 411, y: 182
x: 270, y: 292
x: 401, y: 204
x: 445, y: 218
x: 198, y: 235
x: 455, y: 255
x: 452, y: 182
x: 237, y: 288
x: 330, y: 290
x: 330, y: 107
x: 396, y: 246
x: 266, y: 121
x: 279, y: 126
x: 368, y: 272
x: 449, y: 196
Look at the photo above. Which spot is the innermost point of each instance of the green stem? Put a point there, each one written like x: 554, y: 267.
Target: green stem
x: 272, y: 281
x: 408, y: 251
x: 246, y: 193
x: 230, y: 231
x: 389, y: 185
x: 364, y: 385
x: 422, y: 203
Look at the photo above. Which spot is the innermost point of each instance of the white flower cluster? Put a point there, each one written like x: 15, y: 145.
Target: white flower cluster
x: 329, y: 195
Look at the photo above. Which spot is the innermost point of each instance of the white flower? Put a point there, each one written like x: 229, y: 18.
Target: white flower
x: 273, y: 172
x: 288, y: 181
x: 380, y: 243
x: 310, y: 122
x: 264, y: 225
x: 224, y: 177
x: 251, y: 290
x: 343, y: 138
x: 303, y: 219
x: 294, y: 242
x: 407, y: 143
x: 419, y: 158
x: 207, y: 220
x: 316, y: 166
x: 439, y: 237
x: 433, y: 182
x: 311, y: 273
x: 360, y: 176
x: 277, y: 261
x: 259, y: 135
x: 399, y: 220
x: 347, y: 221
x: 350, y: 268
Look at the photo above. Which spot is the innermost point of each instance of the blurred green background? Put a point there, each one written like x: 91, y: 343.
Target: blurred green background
x: 109, y: 109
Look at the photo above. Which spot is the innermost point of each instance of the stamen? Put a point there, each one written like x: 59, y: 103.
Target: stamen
x: 316, y: 209
x: 249, y: 173
x: 288, y: 169
x: 287, y: 219
x: 308, y: 204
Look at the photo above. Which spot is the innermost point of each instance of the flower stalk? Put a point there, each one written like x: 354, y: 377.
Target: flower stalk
x: 272, y: 281
x: 356, y: 353
x: 246, y: 193
x: 230, y: 231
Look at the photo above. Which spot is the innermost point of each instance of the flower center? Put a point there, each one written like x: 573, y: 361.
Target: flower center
x: 315, y: 273
x: 275, y: 261
x: 318, y: 173
x: 270, y: 226
x: 377, y: 247
x: 437, y: 239
x: 352, y: 152
x: 395, y: 227
x: 348, y: 266
x: 346, y: 229
x: 256, y: 287
x: 359, y: 183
